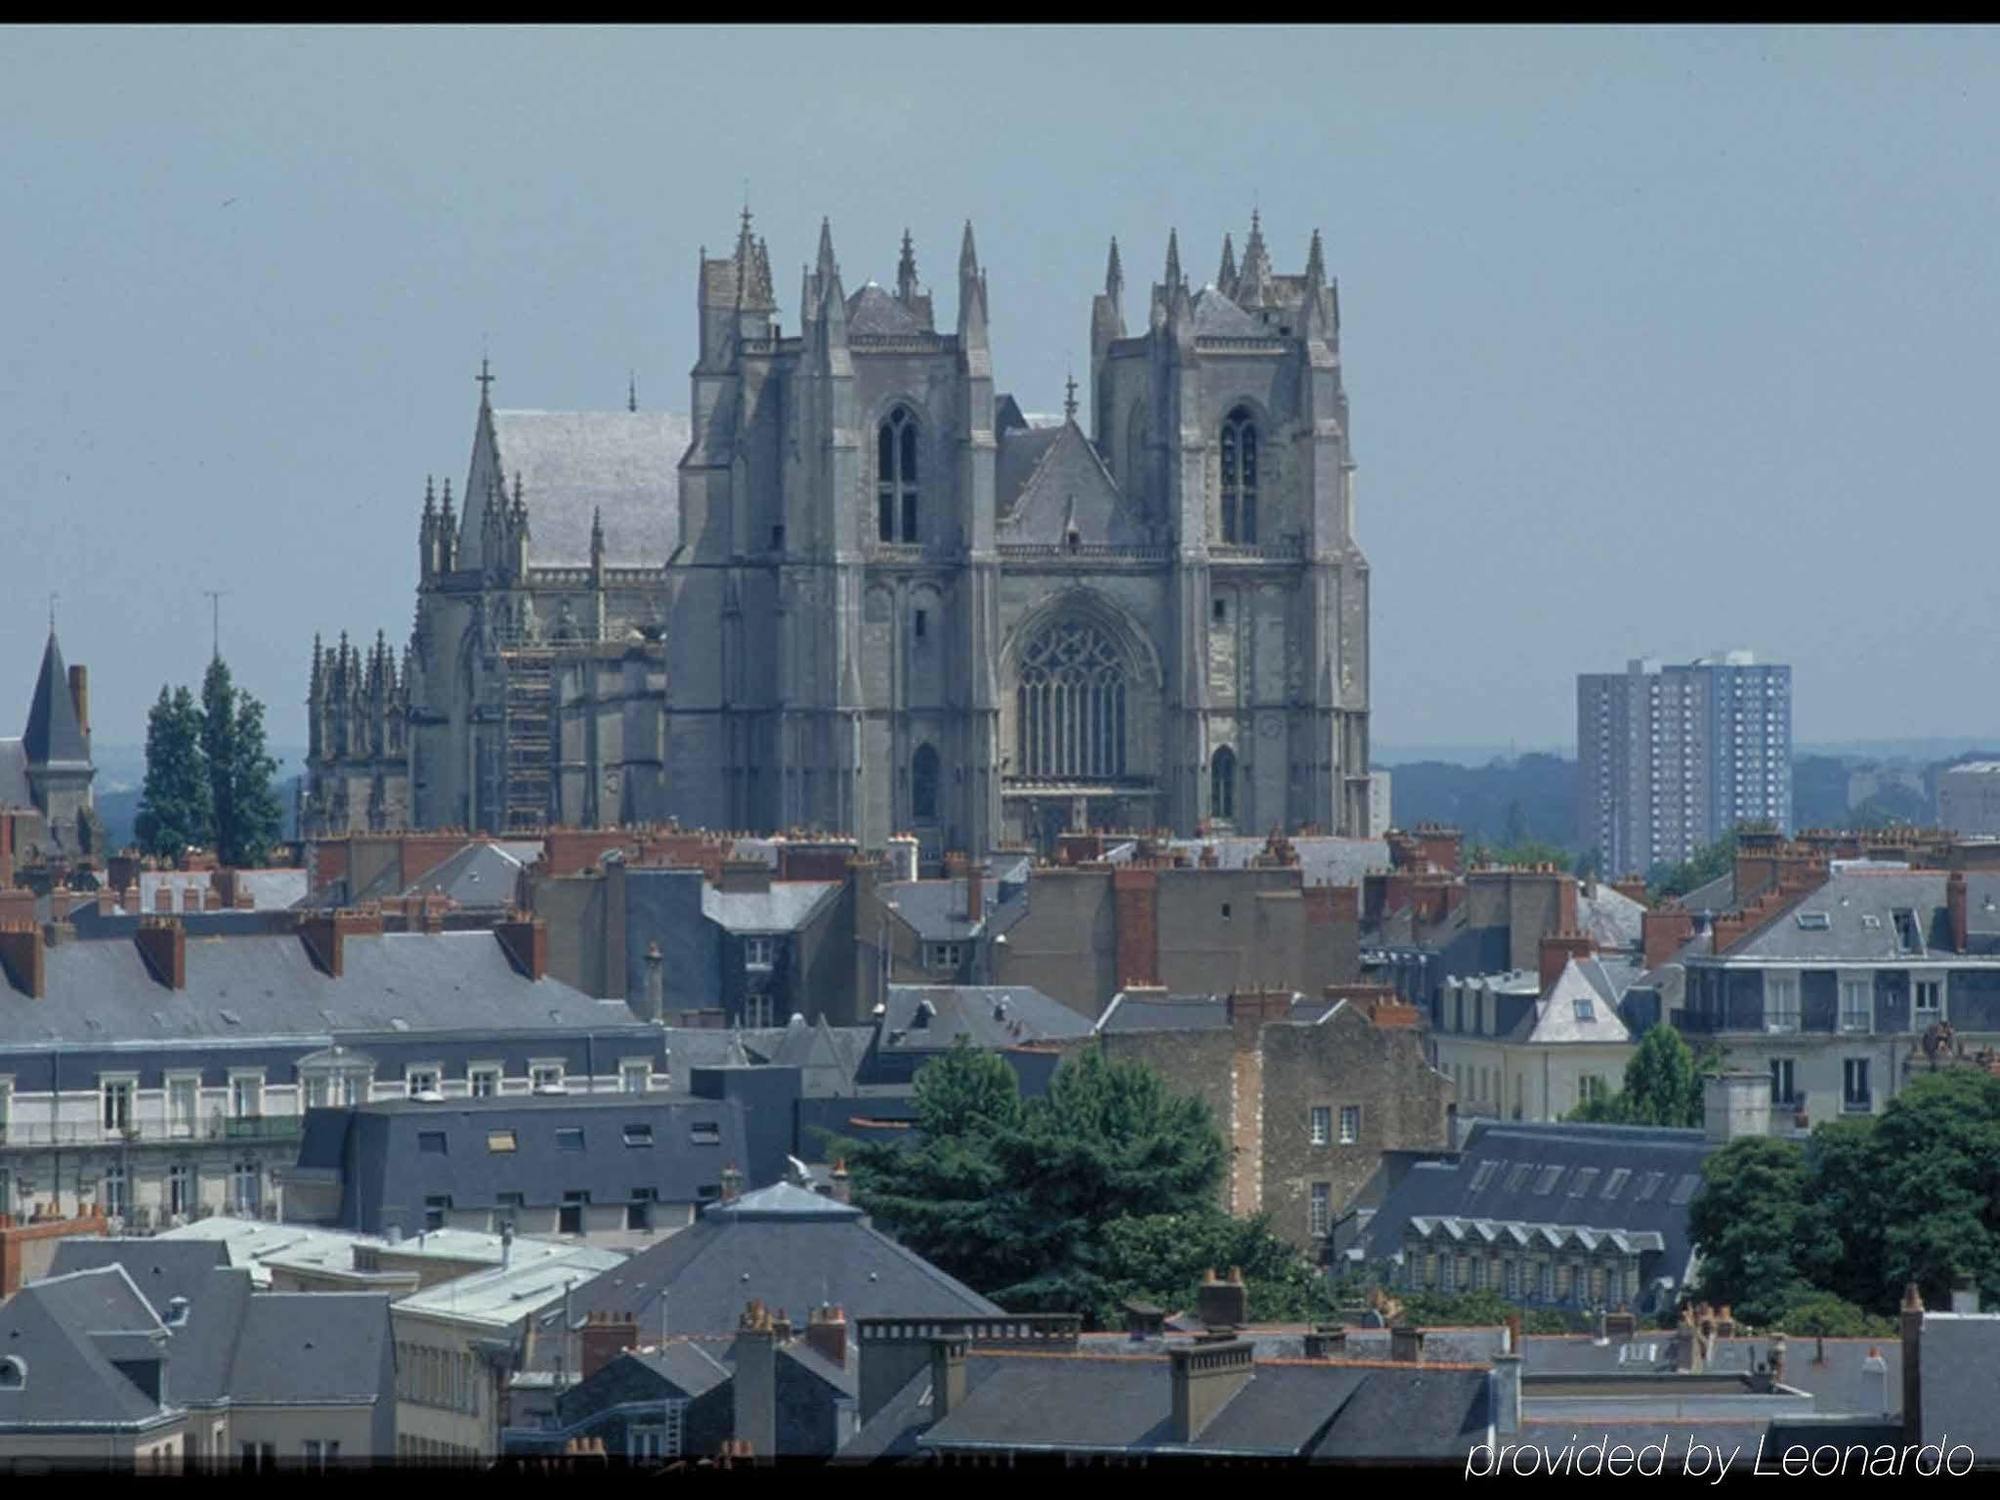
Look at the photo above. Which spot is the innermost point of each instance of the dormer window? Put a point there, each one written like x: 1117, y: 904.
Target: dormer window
x: 896, y: 477
x: 1239, y: 478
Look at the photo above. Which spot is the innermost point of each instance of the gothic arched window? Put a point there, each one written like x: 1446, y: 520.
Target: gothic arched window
x: 924, y: 784
x: 1239, y: 478
x: 896, y: 477
x: 1222, y: 784
x: 1070, y: 705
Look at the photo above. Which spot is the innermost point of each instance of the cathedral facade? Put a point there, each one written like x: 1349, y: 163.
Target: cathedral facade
x: 856, y: 589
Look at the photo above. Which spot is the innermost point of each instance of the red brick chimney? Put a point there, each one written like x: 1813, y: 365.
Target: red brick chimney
x: 21, y: 957
x: 826, y: 1335
x: 1633, y: 887
x: 325, y: 935
x: 526, y: 940
x: 843, y: 1185
x: 1558, y: 949
x: 1666, y: 931
x: 1135, y: 895
x: 604, y: 1337
x: 1954, y: 901
x: 975, y: 891
x: 162, y: 944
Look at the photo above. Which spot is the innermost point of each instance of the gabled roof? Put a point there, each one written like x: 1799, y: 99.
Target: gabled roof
x: 783, y: 906
x: 54, y: 737
x: 69, y: 1379
x: 1574, y: 1010
x: 1066, y: 489
x: 873, y: 313
x: 1216, y: 317
x: 621, y: 465
x: 791, y: 1250
x: 1129, y: 1012
x: 1852, y: 917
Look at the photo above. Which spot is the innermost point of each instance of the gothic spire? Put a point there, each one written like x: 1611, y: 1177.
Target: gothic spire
x: 1225, y: 279
x: 1316, y: 262
x: 596, y: 534
x: 54, y: 734
x: 631, y: 390
x: 827, y: 268
x: 318, y: 670
x: 485, y: 378
x: 430, y: 497
x: 906, y: 270
x: 760, y: 277
x: 1114, y: 274
x: 1174, y: 277
x: 1069, y: 398
x: 968, y: 256
x: 1255, y: 280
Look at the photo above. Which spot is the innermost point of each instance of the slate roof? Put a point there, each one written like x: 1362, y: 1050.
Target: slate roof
x: 1610, y: 918
x: 1069, y: 486
x: 311, y: 1349
x: 685, y: 1365
x: 622, y: 465
x: 1215, y: 316
x: 1020, y: 453
x: 70, y: 1380
x: 1128, y: 1012
x: 1718, y: 895
x: 1959, y: 1364
x: 786, y: 906
x: 1636, y: 1174
x: 986, y: 1015
x: 1847, y: 901
x: 873, y: 313
x: 935, y: 910
x: 786, y: 1247
x: 53, y: 736
x: 480, y: 874
x: 1558, y: 1017
x: 1323, y: 858
x: 100, y: 992
x: 1083, y: 1403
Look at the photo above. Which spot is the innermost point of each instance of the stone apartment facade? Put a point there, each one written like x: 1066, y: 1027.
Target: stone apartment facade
x: 857, y: 589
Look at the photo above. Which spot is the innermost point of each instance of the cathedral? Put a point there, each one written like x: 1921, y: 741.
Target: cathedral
x: 857, y: 589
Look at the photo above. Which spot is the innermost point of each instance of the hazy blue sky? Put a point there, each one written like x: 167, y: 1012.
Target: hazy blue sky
x: 1656, y: 341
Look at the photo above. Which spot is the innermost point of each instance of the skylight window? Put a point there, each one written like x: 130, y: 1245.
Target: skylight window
x: 1585, y: 1011
x: 1518, y: 1178
x: 1616, y: 1184
x: 1580, y: 1184
x: 1684, y: 1190
x: 1545, y: 1184
x: 1648, y: 1186
x: 1484, y: 1175
x: 1814, y: 921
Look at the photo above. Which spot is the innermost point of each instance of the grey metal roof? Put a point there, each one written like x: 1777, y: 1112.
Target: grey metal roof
x: 986, y: 1015
x: 100, y: 992
x: 480, y: 874
x: 53, y: 735
x: 1718, y: 894
x: 1559, y: 1016
x: 1519, y: 1174
x: 785, y: 906
x: 1215, y: 316
x: 311, y: 1348
x: 683, y: 1364
x: 783, y: 1202
x: 622, y: 465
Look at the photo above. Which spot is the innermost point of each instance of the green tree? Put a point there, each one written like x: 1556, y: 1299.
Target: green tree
x: 1162, y: 1258
x: 1665, y: 881
x: 1840, y: 1156
x: 259, y: 818
x: 175, y: 812
x: 248, y: 819
x: 218, y: 752
x: 1833, y: 1317
x: 1030, y: 1203
x: 1935, y: 1159
x: 1663, y: 1085
x: 1757, y: 1227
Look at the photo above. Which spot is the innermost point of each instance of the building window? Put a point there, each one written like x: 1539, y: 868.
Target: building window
x: 1590, y: 1088
x: 896, y: 477
x: 246, y: 1189
x: 919, y: 621
x: 484, y: 1082
x: 759, y: 952
x: 924, y: 783
x: 1322, y: 1124
x: 431, y: 1143
x: 756, y: 1010
x: 568, y: 1138
x: 1545, y: 1282
x: 635, y: 1076
x: 570, y: 1218
x: 1857, y: 1003
x: 1854, y: 1084
x: 1930, y: 1000
x: 436, y: 1211
x: 639, y: 1209
x: 1239, y: 478
x: 1908, y: 938
x: 246, y: 1096
x: 1070, y: 704
x: 1782, y: 1092
x: 946, y: 957
x: 1222, y: 784
x: 1510, y: 1271
x: 259, y: 1457
x: 421, y: 1081
x: 503, y: 1141
x: 180, y: 1189
x: 117, y: 1095
x: 1319, y: 1214
x: 1781, y: 1002
x: 183, y: 1106
x: 116, y: 1199
x: 638, y: 1134
x: 1350, y: 1124
x: 546, y: 1078
x: 705, y: 1133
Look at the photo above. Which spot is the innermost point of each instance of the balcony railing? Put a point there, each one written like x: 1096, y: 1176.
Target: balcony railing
x: 29, y: 1134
